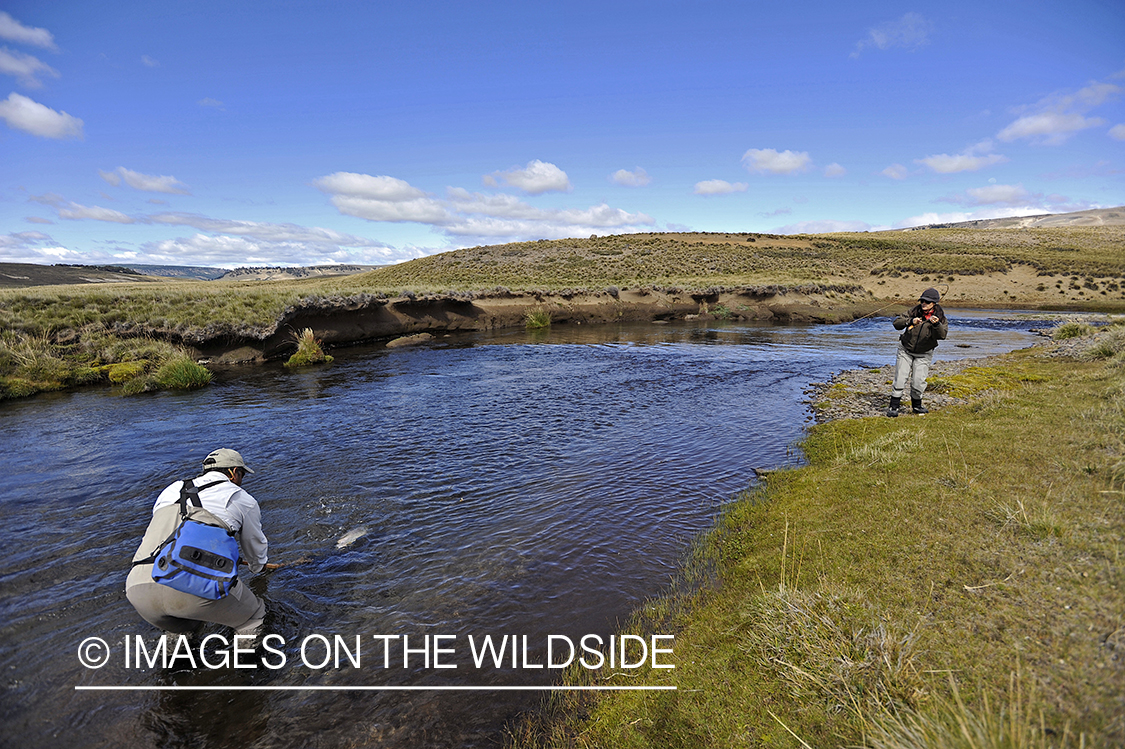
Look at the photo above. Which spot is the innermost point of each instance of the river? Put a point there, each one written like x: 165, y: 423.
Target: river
x: 513, y: 483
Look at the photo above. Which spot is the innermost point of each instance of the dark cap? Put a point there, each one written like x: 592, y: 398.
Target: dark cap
x: 930, y: 295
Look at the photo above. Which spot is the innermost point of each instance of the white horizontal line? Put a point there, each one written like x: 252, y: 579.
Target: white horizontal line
x: 363, y: 689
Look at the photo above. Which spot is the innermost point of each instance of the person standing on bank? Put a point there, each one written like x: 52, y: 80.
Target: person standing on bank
x: 925, y: 324
x: 222, y: 502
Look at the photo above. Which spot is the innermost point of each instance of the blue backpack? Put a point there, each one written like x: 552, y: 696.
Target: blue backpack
x: 197, y: 558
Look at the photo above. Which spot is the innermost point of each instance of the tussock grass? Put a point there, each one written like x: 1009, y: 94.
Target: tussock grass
x: 1071, y: 329
x: 884, y: 594
x: 952, y: 724
x: 538, y: 318
x: 32, y: 364
x: 309, y: 351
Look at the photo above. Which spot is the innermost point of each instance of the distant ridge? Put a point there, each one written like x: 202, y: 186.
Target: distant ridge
x: 32, y: 274
x: 1093, y: 217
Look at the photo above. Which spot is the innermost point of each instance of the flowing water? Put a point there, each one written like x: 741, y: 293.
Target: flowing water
x: 513, y: 483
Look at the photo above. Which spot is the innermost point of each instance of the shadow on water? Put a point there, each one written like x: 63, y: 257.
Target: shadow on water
x: 509, y: 484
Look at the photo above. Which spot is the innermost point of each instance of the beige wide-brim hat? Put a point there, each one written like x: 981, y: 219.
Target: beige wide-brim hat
x: 225, y: 458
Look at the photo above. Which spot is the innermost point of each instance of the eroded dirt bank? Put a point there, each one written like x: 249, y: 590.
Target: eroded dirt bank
x: 346, y: 321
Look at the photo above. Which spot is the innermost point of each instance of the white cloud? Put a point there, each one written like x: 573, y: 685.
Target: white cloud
x: 536, y: 178
x: 895, y: 171
x: 145, y: 182
x: 822, y: 227
x: 25, y: 68
x: 381, y: 198
x: 19, y: 240
x: 834, y: 170
x: 957, y: 217
x: 150, y: 62
x: 366, y: 186
x: 227, y: 252
x: 22, y: 113
x: 284, y: 240
x: 769, y: 161
x: 77, y: 212
x: 1003, y: 194
x: 1056, y: 118
x: 972, y: 159
x: 719, y: 187
x: 636, y: 178
x: 468, y: 214
x: 1050, y: 128
x: 14, y: 31
x: 1117, y: 132
x: 909, y: 32
x: 263, y: 232
x: 505, y: 216
x: 209, y: 102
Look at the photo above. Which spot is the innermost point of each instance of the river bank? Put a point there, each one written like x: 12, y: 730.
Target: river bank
x: 921, y: 580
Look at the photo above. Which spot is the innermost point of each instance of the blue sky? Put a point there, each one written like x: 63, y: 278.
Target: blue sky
x: 281, y: 133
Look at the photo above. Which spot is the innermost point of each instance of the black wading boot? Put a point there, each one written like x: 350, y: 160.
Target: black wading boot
x: 896, y: 403
x: 918, y: 407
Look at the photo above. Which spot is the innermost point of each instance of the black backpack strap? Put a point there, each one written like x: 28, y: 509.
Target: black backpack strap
x: 188, y: 492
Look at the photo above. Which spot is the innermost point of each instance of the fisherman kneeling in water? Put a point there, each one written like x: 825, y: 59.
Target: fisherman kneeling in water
x: 218, y: 501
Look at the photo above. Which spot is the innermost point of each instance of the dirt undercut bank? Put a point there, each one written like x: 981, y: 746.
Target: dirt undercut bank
x: 339, y: 322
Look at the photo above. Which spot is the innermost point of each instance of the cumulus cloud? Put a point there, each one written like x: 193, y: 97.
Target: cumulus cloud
x: 719, y: 187
x: 636, y: 178
x: 1054, y: 119
x: 22, y: 113
x: 895, y: 171
x: 769, y: 161
x: 14, y: 31
x: 972, y: 159
x: 1117, y: 132
x: 468, y: 214
x: 834, y: 170
x: 145, y: 182
x: 25, y: 68
x: 380, y: 198
x: 536, y: 178
x: 909, y: 32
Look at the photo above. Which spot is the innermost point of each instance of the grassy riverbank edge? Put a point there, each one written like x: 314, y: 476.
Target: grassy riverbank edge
x: 953, y: 579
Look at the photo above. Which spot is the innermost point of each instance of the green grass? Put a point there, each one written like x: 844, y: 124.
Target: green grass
x: 953, y: 580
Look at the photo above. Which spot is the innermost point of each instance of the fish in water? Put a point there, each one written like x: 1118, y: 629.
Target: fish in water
x: 351, y: 537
